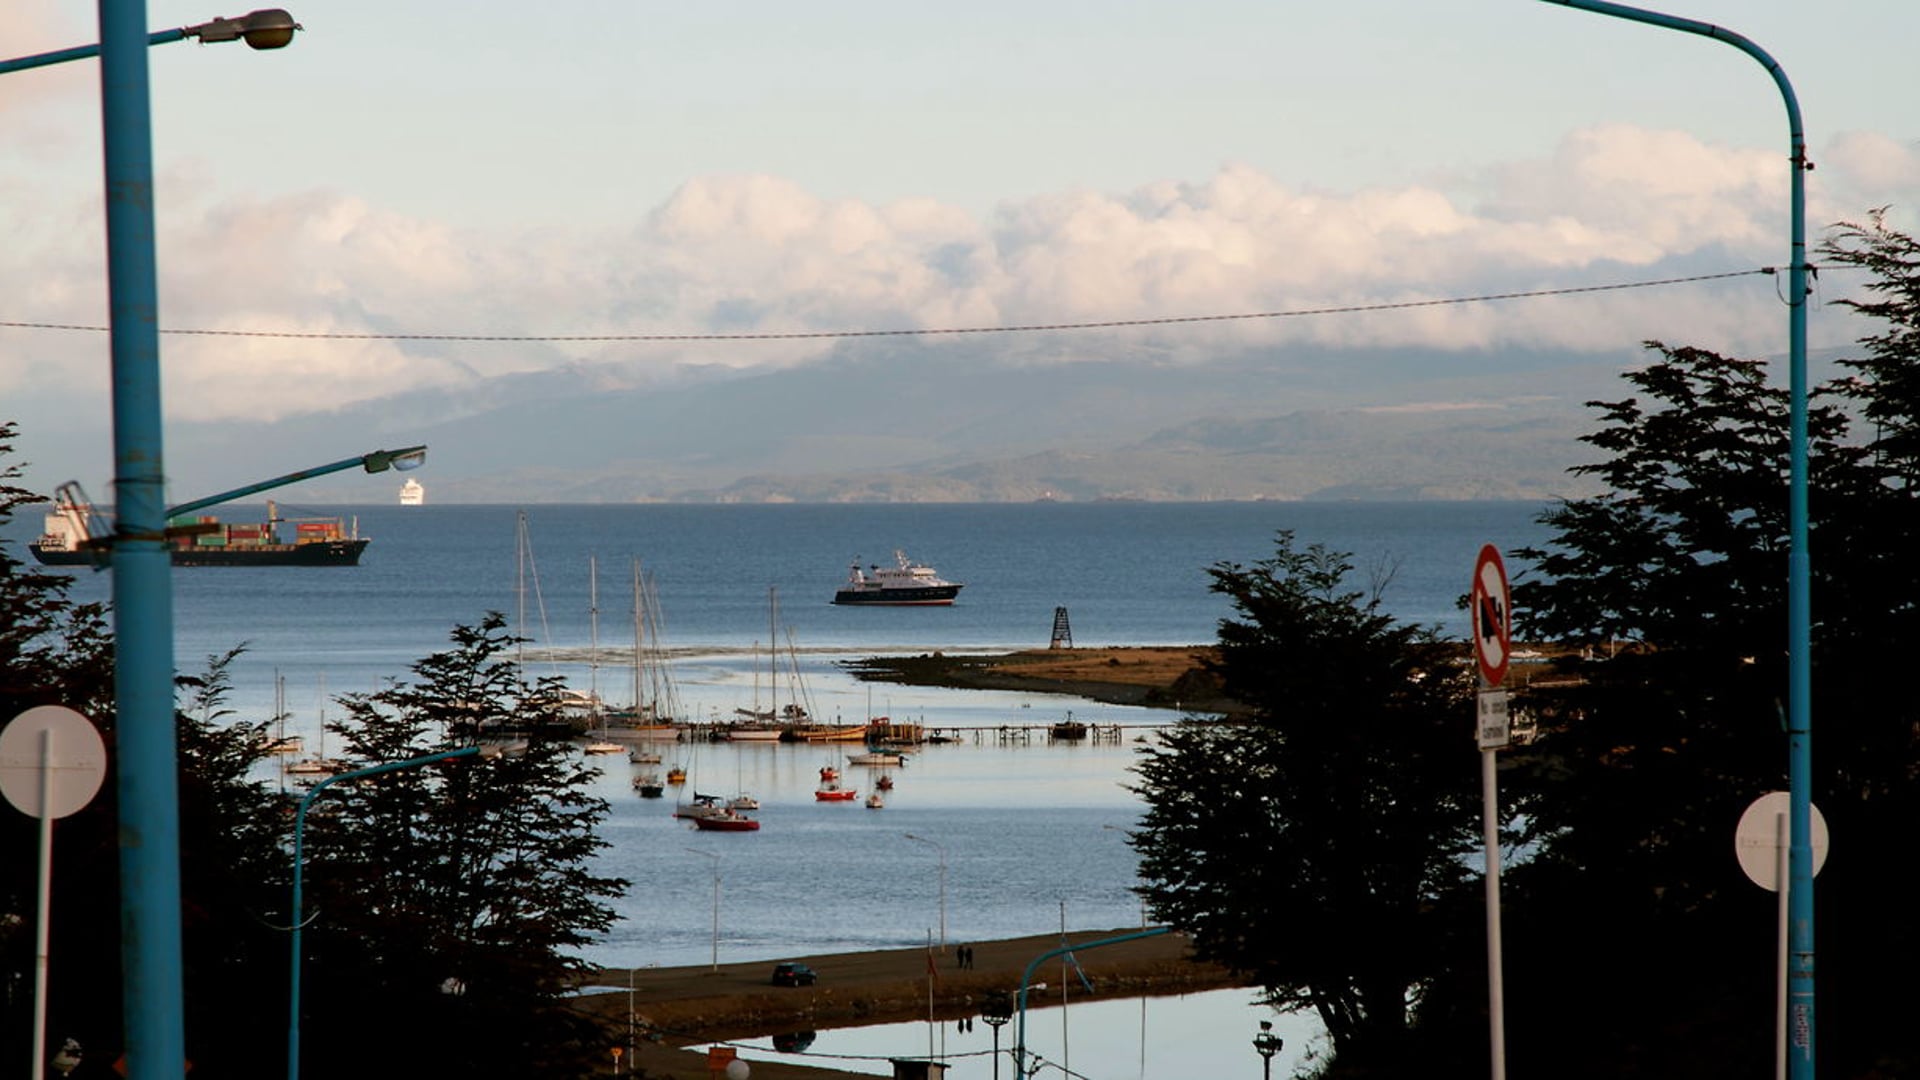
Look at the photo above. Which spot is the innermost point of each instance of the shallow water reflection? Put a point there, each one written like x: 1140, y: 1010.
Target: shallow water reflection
x: 1206, y: 1034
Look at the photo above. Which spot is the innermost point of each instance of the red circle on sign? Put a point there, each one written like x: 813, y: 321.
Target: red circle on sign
x: 1492, y: 624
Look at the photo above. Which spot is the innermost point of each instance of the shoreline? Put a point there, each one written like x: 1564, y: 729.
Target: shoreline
x: 691, y: 1006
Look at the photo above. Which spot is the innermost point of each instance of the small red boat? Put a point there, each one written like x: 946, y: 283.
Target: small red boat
x: 830, y: 789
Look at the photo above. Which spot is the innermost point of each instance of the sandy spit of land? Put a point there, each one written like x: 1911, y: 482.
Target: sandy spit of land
x: 1156, y: 676
x: 694, y: 1006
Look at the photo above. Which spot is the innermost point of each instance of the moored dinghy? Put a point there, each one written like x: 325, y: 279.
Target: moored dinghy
x: 830, y: 789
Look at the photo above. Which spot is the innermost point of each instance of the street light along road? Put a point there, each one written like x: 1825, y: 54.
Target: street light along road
x: 943, y: 883
x: 294, y: 914
x: 268, y: 28
x: 716, y: 905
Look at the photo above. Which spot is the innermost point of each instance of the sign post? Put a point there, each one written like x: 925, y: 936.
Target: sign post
x: 1761, y: 842
x: 52, y: 762
x: 1492, y: 650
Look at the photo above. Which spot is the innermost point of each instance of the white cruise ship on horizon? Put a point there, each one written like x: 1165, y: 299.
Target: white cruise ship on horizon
x: 413, y: 493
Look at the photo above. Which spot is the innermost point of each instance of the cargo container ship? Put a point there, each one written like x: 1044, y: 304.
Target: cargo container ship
x: 205, y: 541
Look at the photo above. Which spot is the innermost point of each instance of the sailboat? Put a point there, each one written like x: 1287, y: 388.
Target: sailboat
x: 741, y: 800
x: 651, y: 717
x: 701, y: 804
x: 596, y: 715
x: 763, y: 726
x: 711, y: 813
x: 807, y: 731
x: 726, y: 820
x: 280, y: 742
x: 575, y: 708
x: 319, y: 764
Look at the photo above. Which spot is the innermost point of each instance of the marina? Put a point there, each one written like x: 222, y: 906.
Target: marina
x: 1032, y: 829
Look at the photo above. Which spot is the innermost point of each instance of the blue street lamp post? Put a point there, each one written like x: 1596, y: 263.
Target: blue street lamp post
x: 1026, y: 980
x: 270, y: 28
x: 142, y: 600
x: 402, y: 460
x: 295, y: 916
x: 1799, y: 620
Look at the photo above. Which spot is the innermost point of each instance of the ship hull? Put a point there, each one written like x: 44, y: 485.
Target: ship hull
x: 323, y: 553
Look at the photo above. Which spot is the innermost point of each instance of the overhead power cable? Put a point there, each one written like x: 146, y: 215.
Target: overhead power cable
x: 1023, y: 328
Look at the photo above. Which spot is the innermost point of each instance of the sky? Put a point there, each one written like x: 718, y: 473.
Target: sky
x: 636, y: 168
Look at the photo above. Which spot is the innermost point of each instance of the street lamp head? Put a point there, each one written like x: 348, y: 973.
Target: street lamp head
x: 1267, y: 1044
x: 268, y: 28
x: 405, y: 459
x: 997, y: 1009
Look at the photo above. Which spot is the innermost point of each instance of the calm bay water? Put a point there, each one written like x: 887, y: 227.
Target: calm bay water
x: 1128, y: 573
x: 1025, y: 833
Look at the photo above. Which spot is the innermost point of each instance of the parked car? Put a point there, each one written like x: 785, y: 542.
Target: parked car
x: 794, y: 975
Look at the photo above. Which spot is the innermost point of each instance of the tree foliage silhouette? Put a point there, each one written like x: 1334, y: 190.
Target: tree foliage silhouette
x: 1307, y: 848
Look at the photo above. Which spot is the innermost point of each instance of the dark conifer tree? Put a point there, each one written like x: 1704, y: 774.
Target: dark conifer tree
x: 1310, y: 848
x: 1675, y: 583
x: 449, y: 901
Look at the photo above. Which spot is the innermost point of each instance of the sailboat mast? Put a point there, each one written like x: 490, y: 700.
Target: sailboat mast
x: 520, y: 590
x: 593, y: 635
x: 658, y: 677
x: 638, y: 715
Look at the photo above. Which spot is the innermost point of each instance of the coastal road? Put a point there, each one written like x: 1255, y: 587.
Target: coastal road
x: 695, y: 1006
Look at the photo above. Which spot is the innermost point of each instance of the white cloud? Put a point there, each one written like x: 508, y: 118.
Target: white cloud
x: 760, y: 254
x: 1871, y: 166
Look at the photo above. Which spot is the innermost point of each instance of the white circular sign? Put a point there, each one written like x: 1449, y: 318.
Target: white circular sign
x: 1762, y: 832
x: 52, y: 761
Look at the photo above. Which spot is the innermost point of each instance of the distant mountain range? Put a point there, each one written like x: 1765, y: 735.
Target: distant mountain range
x: 926, y: 424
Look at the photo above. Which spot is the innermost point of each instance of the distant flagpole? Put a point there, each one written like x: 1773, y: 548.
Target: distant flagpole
x: 933, y: 976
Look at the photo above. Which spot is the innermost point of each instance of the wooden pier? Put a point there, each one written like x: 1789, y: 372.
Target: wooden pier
x: 1028, y: 734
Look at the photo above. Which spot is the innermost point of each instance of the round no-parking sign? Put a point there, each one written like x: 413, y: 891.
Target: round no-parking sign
x: 1492, y: 633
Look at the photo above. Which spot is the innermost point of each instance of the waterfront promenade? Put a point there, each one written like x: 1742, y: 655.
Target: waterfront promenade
x: 674, y: 1008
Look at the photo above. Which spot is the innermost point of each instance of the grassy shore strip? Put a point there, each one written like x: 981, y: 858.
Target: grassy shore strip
x: 1154, y: 676
x: 696, y: 1005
